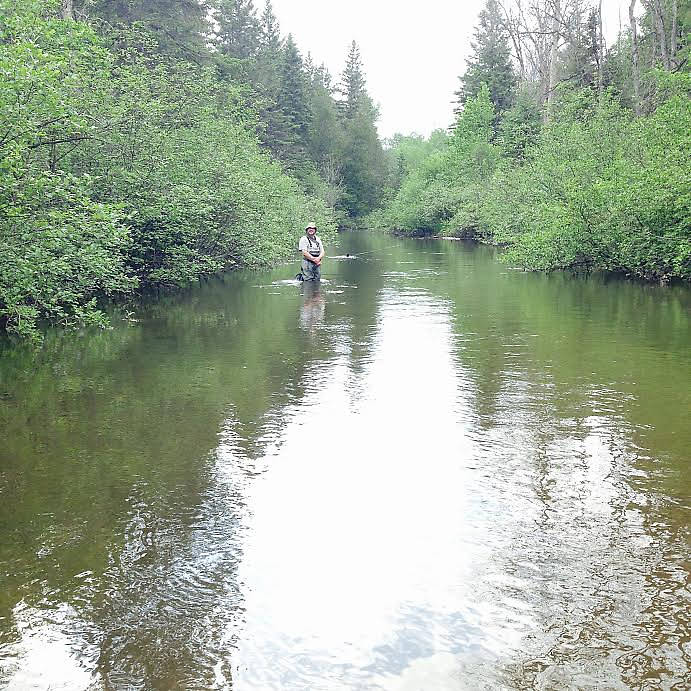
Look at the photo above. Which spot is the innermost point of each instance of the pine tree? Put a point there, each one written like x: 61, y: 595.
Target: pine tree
x: 352, y: 83
x: 238, y: 33
x: 293, y: 105
x: 270, y: 37
x: 181, y: 26
x: 364, y: 167
x: 267, y: 80
x: 490, y: 63
x: 269, y: 54
x: 326, y: 130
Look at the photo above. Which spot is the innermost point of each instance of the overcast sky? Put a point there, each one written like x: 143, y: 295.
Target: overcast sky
x: 412, y: 53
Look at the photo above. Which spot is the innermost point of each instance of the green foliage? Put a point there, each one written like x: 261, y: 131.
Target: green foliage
x: 292, y: 101
x: 403, y: 154
x: 490, y: 64
x: 353, y: 83
x: 363, y: 163
x: 519, y: 129
x: 364, y: 169
x: 59, y: 248
x: 442, y: 191
x: 183, y: 160
x: 596, y: 188
x: 121, y: 168
x: 602, y: 190
x: 238, y: 29
x: 60, y: 251
x: 179, y: 25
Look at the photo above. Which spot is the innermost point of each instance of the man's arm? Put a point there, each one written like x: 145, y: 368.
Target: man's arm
x: 309, y: 257
x: 303, y: 247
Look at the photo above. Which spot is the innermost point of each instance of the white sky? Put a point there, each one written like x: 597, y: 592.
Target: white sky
x: 412, y: 53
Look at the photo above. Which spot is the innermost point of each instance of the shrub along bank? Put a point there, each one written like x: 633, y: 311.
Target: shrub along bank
x: 579, y: 161
x: 122, y: 169
x: 599, y: 188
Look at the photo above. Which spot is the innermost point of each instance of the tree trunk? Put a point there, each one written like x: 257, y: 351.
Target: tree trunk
x: 554, y: 47
x: 67, y: 9
x: 601, y: 51
x: 673, y: 36
x: 662, y: 37
x: 635, y: 67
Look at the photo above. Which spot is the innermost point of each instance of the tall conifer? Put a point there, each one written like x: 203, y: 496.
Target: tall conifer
x: 364, y: 166
x: 292, y: 102
x: 270, y: 30
x: 181, y: 26
x: 490, y: 63
x: 238, y: 31
x: 352, y: 83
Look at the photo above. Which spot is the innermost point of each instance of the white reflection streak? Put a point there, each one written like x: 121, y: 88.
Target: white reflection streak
x: 43, y: 657
x: 360, y: 553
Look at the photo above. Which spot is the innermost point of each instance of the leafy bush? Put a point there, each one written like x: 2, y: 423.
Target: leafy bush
x: 602, y: 190
x: 59, y: 249
x: 120, y: 168
x: 442, y: 192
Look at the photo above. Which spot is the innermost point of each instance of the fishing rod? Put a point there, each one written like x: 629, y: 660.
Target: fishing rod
x: 379, y: 249
x: 301, y: 277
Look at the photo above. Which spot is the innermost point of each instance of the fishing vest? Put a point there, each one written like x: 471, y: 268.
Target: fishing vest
x: 313, y: 246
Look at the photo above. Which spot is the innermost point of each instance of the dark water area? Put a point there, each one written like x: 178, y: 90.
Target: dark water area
x: 429, y: 472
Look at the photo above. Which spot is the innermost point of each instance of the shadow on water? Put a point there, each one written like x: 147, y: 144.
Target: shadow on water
x: 427, y: 471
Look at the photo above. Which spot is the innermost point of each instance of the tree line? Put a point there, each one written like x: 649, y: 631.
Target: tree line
x: 148, y: 143
x: 567, y: 152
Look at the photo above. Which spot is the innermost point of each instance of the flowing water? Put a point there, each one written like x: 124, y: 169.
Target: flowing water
x: 429, y: 472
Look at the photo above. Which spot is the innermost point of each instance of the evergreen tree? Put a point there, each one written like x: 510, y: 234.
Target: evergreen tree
x: 267, y: 79
x: 181, y: 26
x: 269, y: 54
x: 326, y: 133
x: 490, y: 63
x: 292, y: 102
x: 352, y: 83
x: 270, y: 36
x: 238, y: 33
x: 364, y: 167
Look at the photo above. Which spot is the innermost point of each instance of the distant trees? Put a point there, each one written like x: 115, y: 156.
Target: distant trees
x: 585, y: 164
x: 363, y: 161
x: 324, y: 135
x: 150, y: 142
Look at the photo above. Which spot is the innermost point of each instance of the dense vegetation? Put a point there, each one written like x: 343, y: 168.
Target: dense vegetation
x: 150, y: 143
x: 569, y: 154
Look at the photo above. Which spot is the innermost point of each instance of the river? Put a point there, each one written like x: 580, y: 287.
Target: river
x: 431, y: 472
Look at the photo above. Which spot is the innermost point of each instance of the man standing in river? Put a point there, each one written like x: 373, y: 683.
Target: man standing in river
x: 312, y: 250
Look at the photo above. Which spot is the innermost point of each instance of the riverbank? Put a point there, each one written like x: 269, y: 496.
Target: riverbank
x: 595, y: 188
x: 133, y: 161
x: 504, y: 255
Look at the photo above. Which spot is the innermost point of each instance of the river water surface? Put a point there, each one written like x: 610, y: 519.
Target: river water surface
x: 429, y: 472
